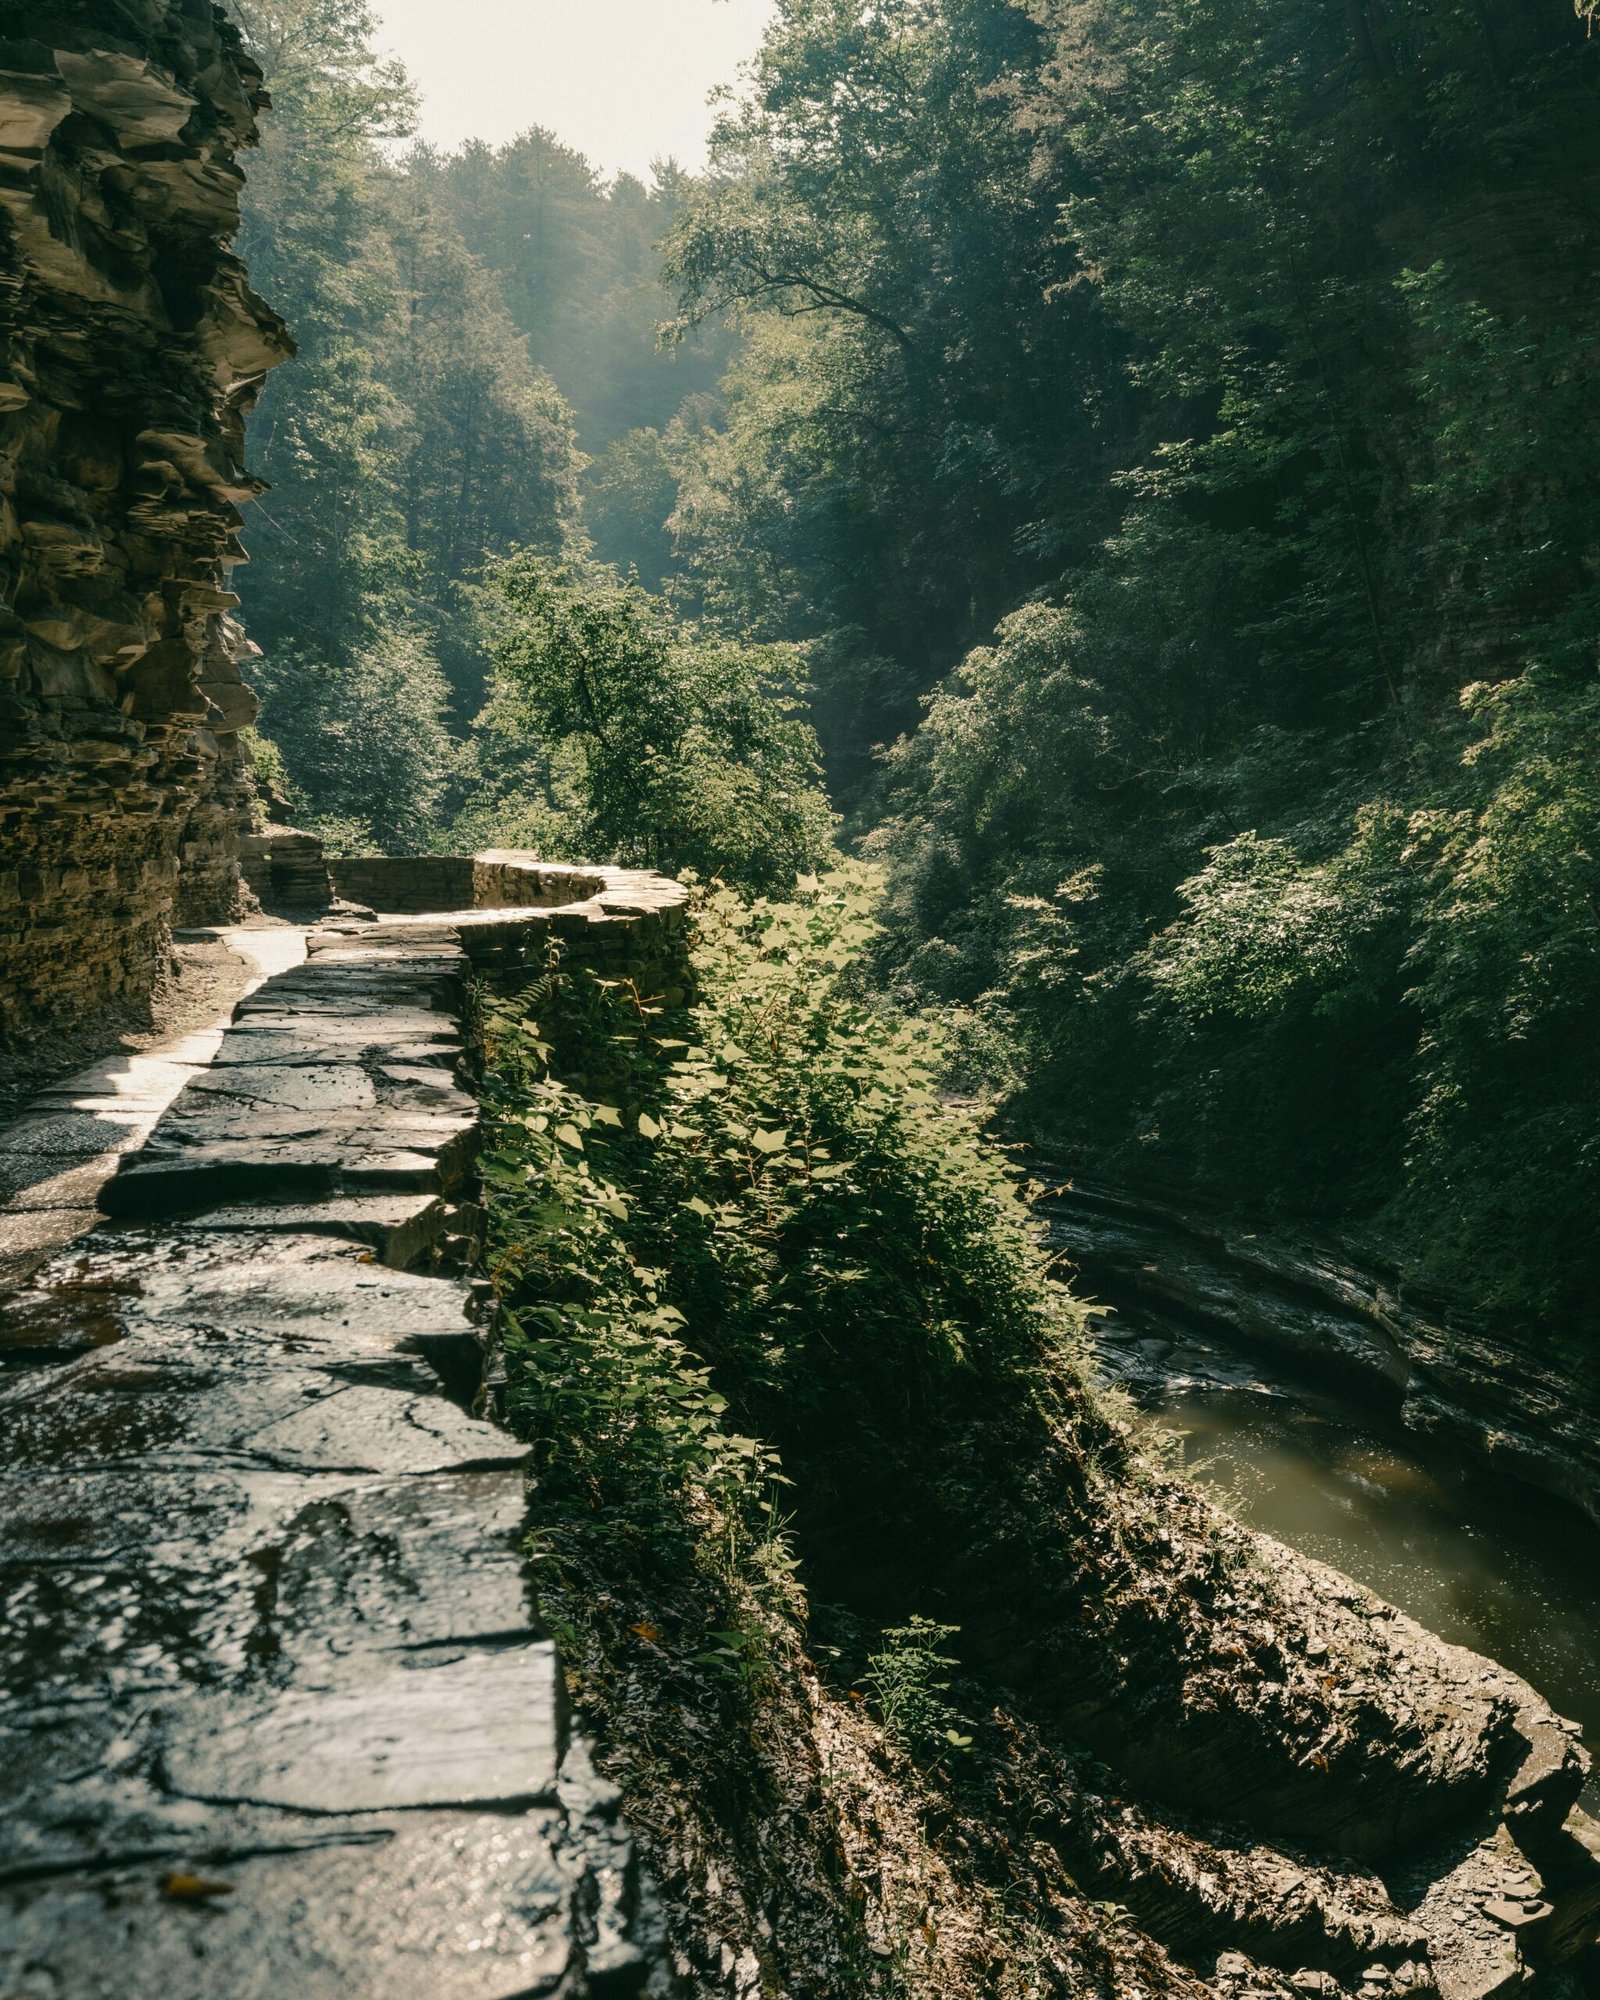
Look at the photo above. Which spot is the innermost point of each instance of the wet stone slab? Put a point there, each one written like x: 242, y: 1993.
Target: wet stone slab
x: 262, y: 1606
x: 198, y: 1163
x: 334, y: 1081
x: 475, y: 1731
x: 428, y: 1906
x: 264, y: 1614
x: 399, y: 1228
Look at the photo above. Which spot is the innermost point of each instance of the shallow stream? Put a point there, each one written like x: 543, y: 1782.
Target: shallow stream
x: 1483, y: 1562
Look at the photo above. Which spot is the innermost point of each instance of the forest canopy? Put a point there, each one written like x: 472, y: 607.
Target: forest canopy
x: 1161, y: 440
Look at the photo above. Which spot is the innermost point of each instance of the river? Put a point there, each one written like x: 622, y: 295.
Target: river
x: 1482, y: 1561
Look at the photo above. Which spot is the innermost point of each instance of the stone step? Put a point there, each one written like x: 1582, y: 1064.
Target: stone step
x: 400, y: 1229
x: 314, y: 1168
x: 255, y: 1041
x: 231, y: 1089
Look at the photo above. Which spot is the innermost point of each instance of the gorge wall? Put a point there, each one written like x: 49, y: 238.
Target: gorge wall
x: 131, y: 349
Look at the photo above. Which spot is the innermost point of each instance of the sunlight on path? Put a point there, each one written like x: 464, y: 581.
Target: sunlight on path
x: 63, y: 1148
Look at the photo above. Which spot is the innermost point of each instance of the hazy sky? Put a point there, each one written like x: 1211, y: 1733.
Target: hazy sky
x: 621, y: 80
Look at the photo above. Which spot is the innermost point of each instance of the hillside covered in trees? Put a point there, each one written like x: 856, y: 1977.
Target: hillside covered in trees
x: 1160, y: 441
x: 1193, y: 409
x: 989, y: 1394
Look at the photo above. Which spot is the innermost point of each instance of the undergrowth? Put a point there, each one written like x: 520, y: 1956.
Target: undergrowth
x: 692, y: 1212
x: 728, y: 1240
x: 859, y: 1719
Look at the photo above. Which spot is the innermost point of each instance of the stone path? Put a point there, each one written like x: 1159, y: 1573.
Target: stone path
x: 58, y: 1155
x: 277, y: 1717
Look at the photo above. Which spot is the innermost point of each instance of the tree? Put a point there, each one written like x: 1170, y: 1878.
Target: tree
x: 365, y: 741
x: 411, y: 440
x: 693, y: 753
x: 909, y: 420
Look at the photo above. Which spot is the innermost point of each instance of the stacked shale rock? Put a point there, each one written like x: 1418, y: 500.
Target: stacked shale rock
x: 131, y: 348
x: 288, y: 870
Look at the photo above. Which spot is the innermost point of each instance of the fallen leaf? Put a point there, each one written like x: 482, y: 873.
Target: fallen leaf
x: 181, y: 1887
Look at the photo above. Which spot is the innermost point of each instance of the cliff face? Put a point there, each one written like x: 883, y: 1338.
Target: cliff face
x: 131, y: 348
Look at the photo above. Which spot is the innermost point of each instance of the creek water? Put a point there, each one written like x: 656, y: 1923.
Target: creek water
x: 1483, y: 1562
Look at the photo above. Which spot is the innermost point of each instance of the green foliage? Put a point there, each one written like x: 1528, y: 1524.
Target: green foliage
x: 909, y: 1681
x: 630, y: 497
x: 420, y: 433
x: 412, y: 435
x: 1262, y: 932
x: 1506, y: 409
x: 1153, y: 417
x: 271, y: 775
x: 626, y: 1418
x: 737, y: 1244
x: 693, y: 1220
x: 364, y: 739
x: 690, y: 751
x: 907, y: 406
x: 1505, y: 1171
x: 578, y: 262
x: 1189, y: 847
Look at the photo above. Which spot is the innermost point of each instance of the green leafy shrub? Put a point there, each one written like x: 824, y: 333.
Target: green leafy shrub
x: 693, y: 1217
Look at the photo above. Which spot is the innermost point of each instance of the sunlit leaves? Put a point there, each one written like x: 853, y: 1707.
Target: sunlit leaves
x: 692, y: 751
x: 776, y: 1185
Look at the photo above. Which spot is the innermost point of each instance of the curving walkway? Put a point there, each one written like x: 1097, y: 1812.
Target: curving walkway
x: 59, y: 1153
x: 277, y: 1717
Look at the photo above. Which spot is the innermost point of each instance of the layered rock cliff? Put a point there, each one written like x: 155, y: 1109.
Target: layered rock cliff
x: 131, y: 348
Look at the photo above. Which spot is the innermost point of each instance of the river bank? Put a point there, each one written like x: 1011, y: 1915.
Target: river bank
x: 1344, y: 1447
x: 1487, y: 1390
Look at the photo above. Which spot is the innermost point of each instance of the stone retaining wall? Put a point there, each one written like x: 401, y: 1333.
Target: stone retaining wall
x: 505, y: 906
x: 404, y: 884
x: 623, y: 923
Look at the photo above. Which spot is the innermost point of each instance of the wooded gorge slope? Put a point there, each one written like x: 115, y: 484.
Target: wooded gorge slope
x: 477, y: 331
x: 1238, y: 360
x: 1166, y: 432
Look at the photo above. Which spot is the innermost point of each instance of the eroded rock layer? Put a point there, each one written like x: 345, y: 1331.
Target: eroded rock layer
x: 131, y: 348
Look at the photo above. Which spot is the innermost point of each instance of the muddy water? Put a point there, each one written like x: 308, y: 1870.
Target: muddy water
x: 1484, y: 1563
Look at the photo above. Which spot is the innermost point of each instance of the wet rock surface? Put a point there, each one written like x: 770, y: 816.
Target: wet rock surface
x: 56, y: 1158
x: 1482, y: 1388
x: 279, y: 1715
x: 1494, y: 1894
x: 324, y: 1108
